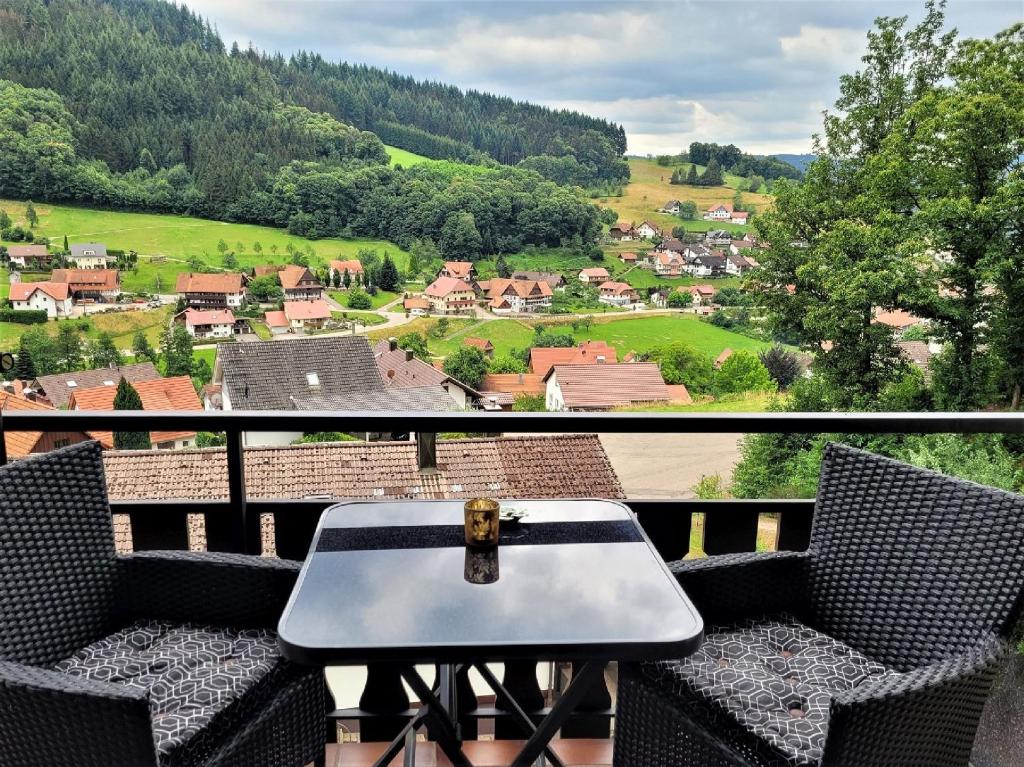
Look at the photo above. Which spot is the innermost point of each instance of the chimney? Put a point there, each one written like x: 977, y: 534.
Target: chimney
x: 391, y: 374
x: 30, y: 395
x: 426, y: 451
x: 521, y: 378
x: 408, y: 355
x: 392, y: 343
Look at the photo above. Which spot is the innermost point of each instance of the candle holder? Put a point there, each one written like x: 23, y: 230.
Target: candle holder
x: 481, y: 565
x: 482, y: 520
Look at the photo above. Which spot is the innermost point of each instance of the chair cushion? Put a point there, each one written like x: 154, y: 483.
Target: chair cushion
x: 191, y: 674
x: 775, y: 678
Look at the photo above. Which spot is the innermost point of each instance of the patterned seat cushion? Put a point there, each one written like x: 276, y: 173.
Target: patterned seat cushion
x: 190, y: 673
x: 775, y: 678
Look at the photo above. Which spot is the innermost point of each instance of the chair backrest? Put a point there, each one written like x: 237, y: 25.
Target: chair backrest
x: 57, y: 559
x: 909, y: 565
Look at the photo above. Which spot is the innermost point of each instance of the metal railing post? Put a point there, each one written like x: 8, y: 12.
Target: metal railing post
x: 236, y: 490
x: 3, y: 440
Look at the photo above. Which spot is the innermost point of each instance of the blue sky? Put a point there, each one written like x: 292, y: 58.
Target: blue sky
x: 757, y: 74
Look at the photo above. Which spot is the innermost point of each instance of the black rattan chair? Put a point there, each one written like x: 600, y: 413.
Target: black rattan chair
x: 918, y: 575
x: 161, y: 659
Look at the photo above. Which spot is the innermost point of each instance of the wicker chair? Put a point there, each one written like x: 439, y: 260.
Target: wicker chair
x: 63, y: 588
x: 919, y: 575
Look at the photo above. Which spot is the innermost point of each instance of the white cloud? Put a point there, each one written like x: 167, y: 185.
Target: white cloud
x: 824, y: 48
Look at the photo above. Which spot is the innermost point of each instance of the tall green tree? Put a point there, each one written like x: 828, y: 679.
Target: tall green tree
x: 126, y: 398
x: 30, y: 215
x: 69, y: 348
x: 460, y: 238
x: 468, y: 365
x: 142, y: 349
x: 177, y: 351
x: 504, y: 270
x: 387, y: 277
x: 103, y: 353
x: 25, y: 367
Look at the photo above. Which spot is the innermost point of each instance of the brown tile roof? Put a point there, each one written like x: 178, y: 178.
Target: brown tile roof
x: 703, y: 290
x: 553, y: 279
x: 190, y: 282
x: 400, y: 368
x: 523, y: 288
x: 896, y: 318
x: 599, y: 387
x: 679, y: 394
x: 595, y: 272
x: 293, y: 277
x: 21, y: 443
x: 58, y: 387
x: 87, y: 279
x: 307, y: 310
x: 459, y: 269
x: 20, y: 251
x: 627, y: 256
x: 480, y: 343
x: 725, y: 354
x: 416, y: 302
x: 917, y: 353
x: 170, y: 394
x: 196, y: 317
x: 444, y: 286
x: 726, y: 206
x: 740, y: 214
x: 507, y: 467
x: 513, y: 383
x: 264, y: 270
x: 22, y: 291
x: 543, y: 358
x: 615, y: 288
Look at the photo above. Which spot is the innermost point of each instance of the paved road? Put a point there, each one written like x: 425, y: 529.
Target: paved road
x: 669, y: 465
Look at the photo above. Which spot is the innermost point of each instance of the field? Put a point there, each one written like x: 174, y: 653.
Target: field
x: 121, y: 325
x: 404, y: 158
x: 634, y: 333
x: 649, y: 189
x: 174, y: 240
x: 748, y: 402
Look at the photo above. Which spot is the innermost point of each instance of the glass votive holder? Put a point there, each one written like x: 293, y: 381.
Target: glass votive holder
x: 481, y: 565
x: 481, y: 515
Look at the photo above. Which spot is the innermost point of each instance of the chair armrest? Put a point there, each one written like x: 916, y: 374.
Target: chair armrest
x: 234, y: 590
x: 927, y: 715
x: 47, y: 717
x: 732, y: 587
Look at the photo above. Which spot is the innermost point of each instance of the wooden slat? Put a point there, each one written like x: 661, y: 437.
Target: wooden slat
x: 730, y: 527
x: 795, y: 526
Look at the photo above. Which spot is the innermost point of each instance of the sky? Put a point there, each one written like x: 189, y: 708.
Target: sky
x: 756, y: 74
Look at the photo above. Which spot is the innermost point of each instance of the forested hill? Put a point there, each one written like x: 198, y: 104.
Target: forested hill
x: 151, y: 84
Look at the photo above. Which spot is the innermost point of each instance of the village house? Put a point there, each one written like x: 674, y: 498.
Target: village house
x: 717, y: 237
x: 353, y: 266
x: 300, y: 284
x: 737, y: 246
x: 482, y: 344
x: 627, y: 258
x: 707, y: 266
x: 703, y: 295
x: 594, y: 275
x: 617, y: 294
x: 603, y: 387
x: 276, y: 322
x: 900, y: 321
x: 416, y: 306
x: 622, y: 232
x: 543, y: 358
x: 696, y: 249
x: 29, y: 256
x: 159, y: 394
x: 554, y: 280
x: 737, y: 266
x: 212, y: 323
x: 458, y: 270
x: 739, y: 216
x: 672, y: 206
x: 669, y: 264
x: 211, y: 291
x: 673, y: 245
x: 89, y: 255
x: 401, y: 369
x: 52, y: 297
x: 517, y: 296
x: 21, y: 444
x: 648, y: 231
x: 306, y: 315
x: 498, y: 391
x: 99, y: 285
x: 57, y: 388
x: 450, y: 295
x: 267, y: 270
x: 724, y: 211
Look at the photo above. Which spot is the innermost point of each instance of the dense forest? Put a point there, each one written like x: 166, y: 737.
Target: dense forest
x: 150, y: 84
x: 733, y: 160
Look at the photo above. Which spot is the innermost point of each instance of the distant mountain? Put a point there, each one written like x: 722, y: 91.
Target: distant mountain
x: 798, y: 161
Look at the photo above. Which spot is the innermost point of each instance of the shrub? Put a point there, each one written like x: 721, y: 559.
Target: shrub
x: 23, y: 316
x: 358, y: 299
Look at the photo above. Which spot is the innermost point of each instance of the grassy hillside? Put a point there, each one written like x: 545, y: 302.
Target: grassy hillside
x: 174, y: 240
x: 649, y: 189
x: 121, y: 325
x: 404, y: 158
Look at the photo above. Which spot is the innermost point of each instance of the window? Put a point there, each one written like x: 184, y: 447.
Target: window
x: 61, y: 442
x: 313, y: 379
x: 72, y: 384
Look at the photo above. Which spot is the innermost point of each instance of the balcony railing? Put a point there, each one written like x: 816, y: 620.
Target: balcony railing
x: 234, y: 524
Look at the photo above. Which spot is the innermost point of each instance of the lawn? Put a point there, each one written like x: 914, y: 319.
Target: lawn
x: 121, y: 325
x: 649, y: 189
x: 748, y: 402
x: 645, y: 278
x: 174, y: 240
x: 404, y: 158
x: 210, y: 355
x: 381, y: 298
x: 633, y: 333
x: 363, y: 318
x: 423, y: 325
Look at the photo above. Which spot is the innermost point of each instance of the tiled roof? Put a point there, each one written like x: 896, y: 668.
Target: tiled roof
x: 513, y: 383
x: 196, y: 317
x: 618, y: 288
x: 553, y: 279
x: 266, y: 375
x: 400, y: 368
x: 679, y: 394
x: 896, y: 318
x: 443, y: 286
x: 543, y: 358
x: 480, y: 343
x: 595, y: 272
x: 292, y: 276
x: 276, y: 319
x: 307, y: 310
x: 78, y: 249
x: 704, y: 290
x: 740, y: 214
x: 58, y: 388
x: 353, y: 266
x: 627, y: 256
x: 917, y: 353
x: 458, y: 268
x: 412, y: 398
x: 726, y: 206
x: 723, y: 356
x: 22, y: 291
x: 562, y: 466
x: 416, y: 302
x: 523, y: 288
x: 190, y: 282
x: 20, y: 251
x: 264, y: 270
x: 168, y: 394
x: 21, y: 443
x: 598, y: 387
x: 91, y: 279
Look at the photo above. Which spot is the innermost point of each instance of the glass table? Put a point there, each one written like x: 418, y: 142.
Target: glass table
x: 572, y: 580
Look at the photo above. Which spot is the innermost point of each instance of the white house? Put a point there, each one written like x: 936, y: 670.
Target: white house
x: 648, y: 231
x: 617, y: 294
x: 215, y: 323
x: 721, y: 212
x: 52, y: 297
x: 89, y: 255
x: 594, y: 275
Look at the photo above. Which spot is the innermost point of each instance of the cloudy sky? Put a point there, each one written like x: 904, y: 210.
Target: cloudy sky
x: 757, y: 74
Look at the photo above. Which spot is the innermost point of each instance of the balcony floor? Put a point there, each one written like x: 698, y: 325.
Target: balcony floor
x: 483, y: 753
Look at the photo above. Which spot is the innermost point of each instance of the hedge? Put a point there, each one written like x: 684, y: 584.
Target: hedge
x: 23, y: 316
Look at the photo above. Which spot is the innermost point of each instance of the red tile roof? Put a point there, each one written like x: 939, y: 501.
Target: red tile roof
x: 276, y: 319
x: 460, y: 269
x: 595, y: 272
x: 88, y: 279
x: 480, y: 343
x: 726, y: 206
x: 416, y: 302
x: 600, y: 387
x: 723, y: 356
x: 353, y: 266
x: 291, y: 277
x: 228, y: 284
x: 21, y: 443
x: 523, y: 288
x: 543, y: 358
x: 513, y: 383
x: 307, y: 310
x: 444, y: 286
x: 896, y: 318
x: 196, y: 317
x: 22, y: 291
x: 679, y: 394
x: 615, y: 288
x: 560, y: 466
x: 171, y: 394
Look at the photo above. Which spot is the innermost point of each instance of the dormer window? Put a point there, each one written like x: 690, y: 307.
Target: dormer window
x: 312, y: 379
x: 72, y: 384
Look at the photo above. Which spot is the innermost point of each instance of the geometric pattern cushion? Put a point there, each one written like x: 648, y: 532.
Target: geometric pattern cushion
x: 190, y: 673
x: 775, y: 678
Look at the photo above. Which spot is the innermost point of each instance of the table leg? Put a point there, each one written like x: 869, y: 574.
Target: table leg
x: 403, y: 739
x: 588, y: 675
x: 510, y: 704
x: 439, y: 723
